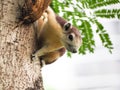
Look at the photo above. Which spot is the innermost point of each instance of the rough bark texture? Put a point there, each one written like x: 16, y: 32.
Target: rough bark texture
x: 33, y: 9
x: 17, y: 71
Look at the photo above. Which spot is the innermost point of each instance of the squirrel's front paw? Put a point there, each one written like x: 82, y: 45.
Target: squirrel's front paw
x: 34, y: 57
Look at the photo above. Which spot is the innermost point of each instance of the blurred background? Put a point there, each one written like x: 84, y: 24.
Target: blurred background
x: 97, y: 71
x: 94, y: 71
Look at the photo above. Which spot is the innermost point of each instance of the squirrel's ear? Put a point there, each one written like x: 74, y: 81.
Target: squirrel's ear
x: 67, y: 26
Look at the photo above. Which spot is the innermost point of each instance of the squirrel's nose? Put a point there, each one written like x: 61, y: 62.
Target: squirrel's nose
x: 74, y: 51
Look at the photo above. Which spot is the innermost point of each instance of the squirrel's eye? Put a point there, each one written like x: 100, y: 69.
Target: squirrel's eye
x: 67, y: 26
x: 70, y: 37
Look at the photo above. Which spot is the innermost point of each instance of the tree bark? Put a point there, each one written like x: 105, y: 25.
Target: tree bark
x: 17, y: 71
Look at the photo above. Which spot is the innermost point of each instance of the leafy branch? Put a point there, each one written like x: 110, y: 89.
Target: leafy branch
x: 83, y: 15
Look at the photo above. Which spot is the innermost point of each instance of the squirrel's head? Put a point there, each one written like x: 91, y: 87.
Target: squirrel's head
x: 71, y: 37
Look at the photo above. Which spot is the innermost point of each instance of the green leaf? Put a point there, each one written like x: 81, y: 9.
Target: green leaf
x: 69, y: 54
x: 108, y: 13
x: 97, y: 3
x: 104, y: 36
x: 88, y: 41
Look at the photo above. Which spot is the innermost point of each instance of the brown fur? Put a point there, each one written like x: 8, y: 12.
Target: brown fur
x: 53, y: 39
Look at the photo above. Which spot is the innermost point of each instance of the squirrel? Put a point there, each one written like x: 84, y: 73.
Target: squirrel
x: 54, y: 36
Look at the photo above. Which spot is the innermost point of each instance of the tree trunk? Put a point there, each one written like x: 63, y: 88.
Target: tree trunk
x: 17, y: 71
